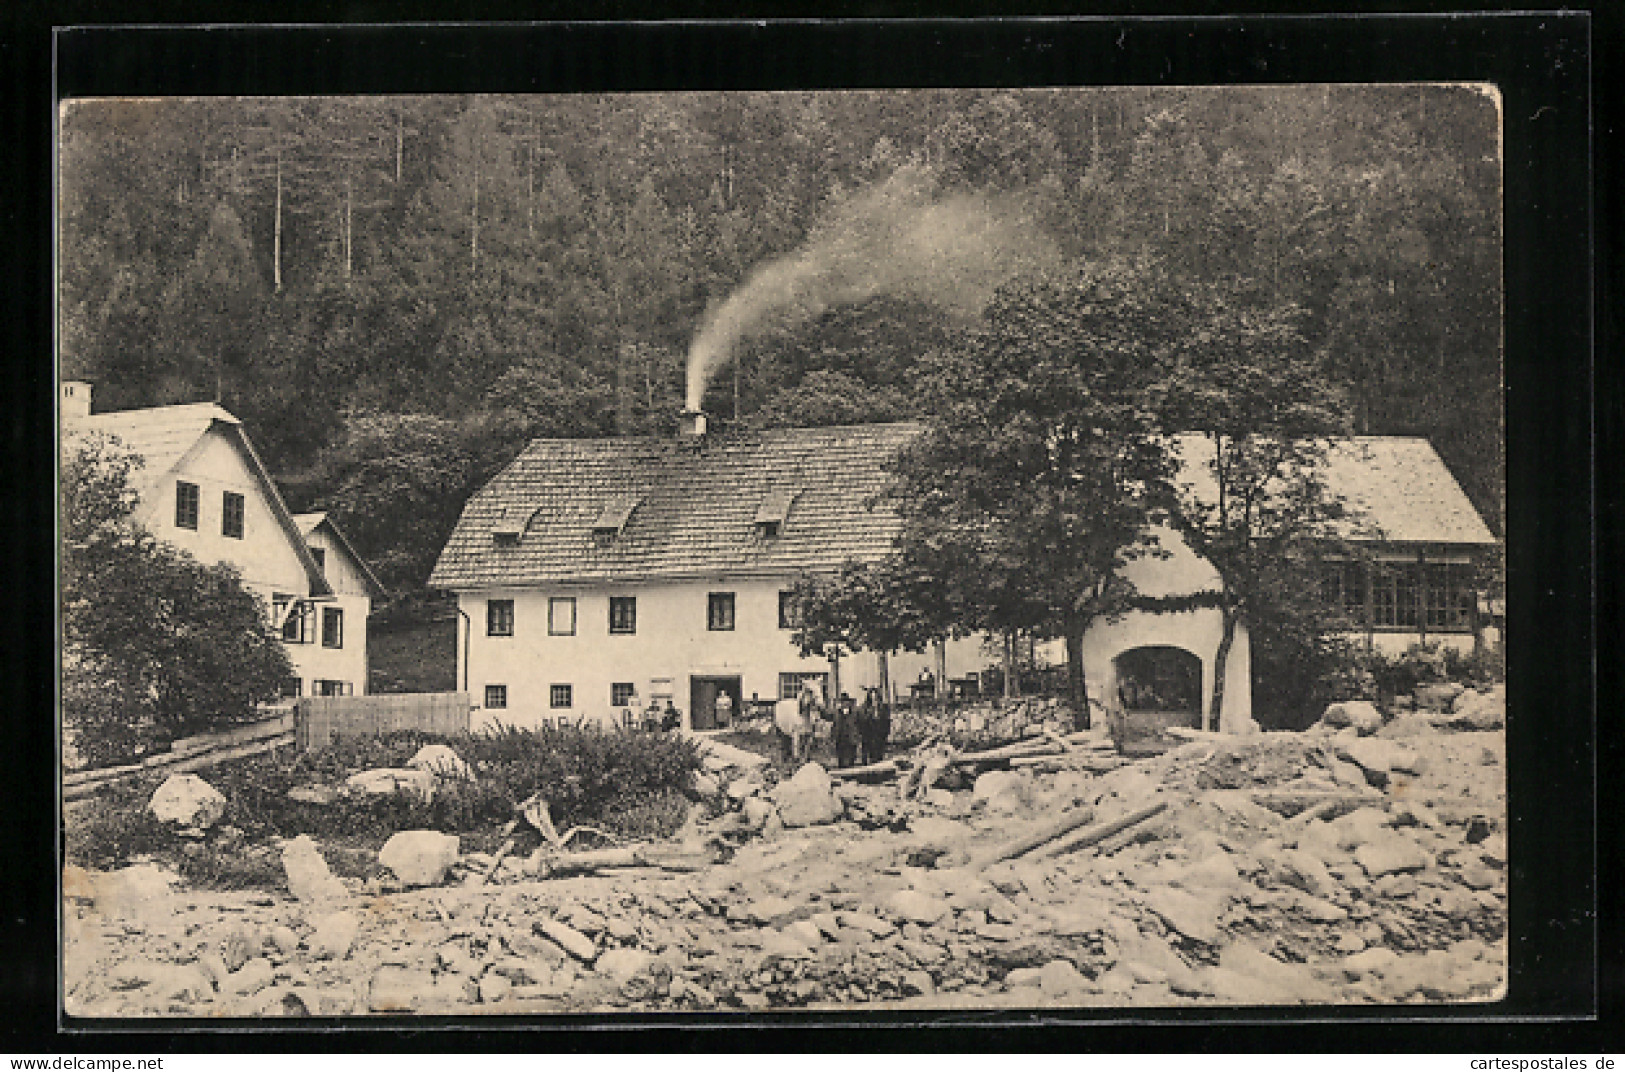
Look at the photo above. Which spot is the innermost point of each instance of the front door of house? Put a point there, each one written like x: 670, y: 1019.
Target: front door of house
x: 702, y: 700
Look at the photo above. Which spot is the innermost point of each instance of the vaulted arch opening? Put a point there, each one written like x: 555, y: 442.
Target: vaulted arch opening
x: 1160, y: 683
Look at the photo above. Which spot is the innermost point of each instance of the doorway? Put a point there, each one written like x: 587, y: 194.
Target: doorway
x: 702, y: 701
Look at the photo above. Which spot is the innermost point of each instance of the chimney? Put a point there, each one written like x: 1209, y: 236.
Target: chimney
x: 75, y: 402
x: 691, y: 423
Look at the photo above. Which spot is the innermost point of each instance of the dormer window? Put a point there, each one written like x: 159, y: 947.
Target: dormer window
x: 510, y: 525
x: 612, y: 519
x: 775, y: 509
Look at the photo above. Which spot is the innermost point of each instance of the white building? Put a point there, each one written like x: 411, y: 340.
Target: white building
x: 592, y: 571
x: 203, y: 489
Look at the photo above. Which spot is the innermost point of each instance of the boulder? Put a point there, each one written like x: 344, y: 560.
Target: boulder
x: 1002, y: 790
x: 1390, y: 854
x: 1436, y: 696
x: 807, y: 799
x: 314, y: 793
x: 386, y: 780
x: 619, y: 965
x: 187, y: 800
x: 779, y: 944
x: 1480, y: 710
x: 251, y: 978
x: 334, y: 936
x: 569, y: 939
x: 1296, y: 868
x: 307, y: 873
x: 756, y: 812
x: 916, y: 907
x: 1361, y: 715
x: 1193, y: 916
x: 915, y: 983
x: 1408, y: 726
x: 494, y: 987
x: 806, y: 932
x: 181, y: 982
x: 396, y: 988
x: 284, y: 938
x: 1060, y: 977
x: 440, y: 761
x: 419, y: 857
x: 1380, y: 757
x: 139, y: 892
x: 703, y: 785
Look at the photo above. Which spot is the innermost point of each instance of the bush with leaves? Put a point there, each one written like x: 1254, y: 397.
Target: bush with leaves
x: 156, y: 644
x: 627, y: 784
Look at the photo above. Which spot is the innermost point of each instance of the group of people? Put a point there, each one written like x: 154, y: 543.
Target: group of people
x: 652, y: 719
x: 859, y: 731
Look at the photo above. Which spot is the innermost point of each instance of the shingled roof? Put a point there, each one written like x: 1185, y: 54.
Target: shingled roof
x: 696, y: 507
x: 698, y: 503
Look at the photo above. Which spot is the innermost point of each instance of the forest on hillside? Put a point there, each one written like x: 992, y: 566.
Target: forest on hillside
x: 395, y: 293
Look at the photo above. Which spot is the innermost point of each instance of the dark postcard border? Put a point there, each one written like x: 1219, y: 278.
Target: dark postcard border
x: 1541, y: 63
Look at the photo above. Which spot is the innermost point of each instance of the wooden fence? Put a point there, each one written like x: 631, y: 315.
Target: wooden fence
x: 189, y: 754
x: 320, y: 720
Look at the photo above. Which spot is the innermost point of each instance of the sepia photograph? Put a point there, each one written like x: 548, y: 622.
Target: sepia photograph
x: 735, y: 552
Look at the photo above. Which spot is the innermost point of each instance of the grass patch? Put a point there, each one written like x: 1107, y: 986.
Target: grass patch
x: 629, y: 784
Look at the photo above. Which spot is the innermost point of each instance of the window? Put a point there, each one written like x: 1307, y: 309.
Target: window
x: 499, y: 617
x: 320, y: 555
x: 496, y: 696
x: 1449, y: 597
x: 719, y: 615
x: 185, y: 505
x: 790, y: 684
x: 298, y: 625
x: 332, y: 627
x: 1343, y: 590
x: 621, y: 693
x: 623, y: 614
x: 322, y: 687
x: 1394, y: 596
x: 789, y: 611
x: 560, y: 696
x: 231, y: 515
x: 561, y: 617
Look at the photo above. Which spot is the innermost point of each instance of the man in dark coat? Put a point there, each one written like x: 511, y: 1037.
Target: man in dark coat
x: 874, y: 725
x: 845, y: 732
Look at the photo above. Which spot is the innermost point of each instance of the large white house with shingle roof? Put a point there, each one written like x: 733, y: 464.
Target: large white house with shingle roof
x: 202, y: 488
x: 591, y: 571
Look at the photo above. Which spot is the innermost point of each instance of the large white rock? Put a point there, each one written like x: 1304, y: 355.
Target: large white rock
x: 1481, y: 710
x: 188, y: 800
x: 334, y: 936
x: 140, y: 892
x: 442, y: 762
x: 1361, y: 714
x: 386, y: 780
x: 308, y: 876
x: 419, y: 857
x: 807, y: 799
x: 1391, y: 854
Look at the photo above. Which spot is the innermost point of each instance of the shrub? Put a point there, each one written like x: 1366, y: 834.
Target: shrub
x: 629, y: 784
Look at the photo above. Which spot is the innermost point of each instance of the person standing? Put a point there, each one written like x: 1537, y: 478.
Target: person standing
x: 724, y: 709
x: 845, y: 731
x: 874, y: 726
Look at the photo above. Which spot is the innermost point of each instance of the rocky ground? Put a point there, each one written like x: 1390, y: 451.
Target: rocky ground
x: 1362, y: 863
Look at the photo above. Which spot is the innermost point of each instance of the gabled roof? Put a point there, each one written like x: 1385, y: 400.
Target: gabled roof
x: 696, y: 507
x: 700, y: 502
x: 309, y: 523
x: 164, y: 436
x: 1397, y: 485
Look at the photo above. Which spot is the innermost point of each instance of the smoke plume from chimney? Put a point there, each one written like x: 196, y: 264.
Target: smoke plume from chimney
x: 896, y: 238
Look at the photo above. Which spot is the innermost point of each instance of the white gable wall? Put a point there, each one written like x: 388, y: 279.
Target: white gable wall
x: 265, y: 556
